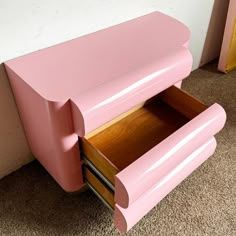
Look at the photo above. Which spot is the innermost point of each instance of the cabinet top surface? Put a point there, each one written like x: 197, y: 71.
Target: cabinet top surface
x: 68, y: 69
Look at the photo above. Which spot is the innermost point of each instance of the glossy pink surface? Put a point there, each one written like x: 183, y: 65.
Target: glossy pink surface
x: 73, y: 88
x: 100, y: 72
x: 121, y: 94
x: 152, y: 166
x: 125, y: 219
x: 76, y: 66
x: 76, y: 86
x: 50, y: 133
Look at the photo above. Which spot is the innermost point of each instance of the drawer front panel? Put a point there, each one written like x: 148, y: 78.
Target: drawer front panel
x: 126, y: 218
x: 148, y: 152
x: 155, y: 164
x: 103, y: 103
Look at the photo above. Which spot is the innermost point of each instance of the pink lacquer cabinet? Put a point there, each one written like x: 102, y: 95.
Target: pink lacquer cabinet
x: 107, y: 110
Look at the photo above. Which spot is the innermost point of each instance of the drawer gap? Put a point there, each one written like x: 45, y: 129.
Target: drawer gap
x: 99, y: 187
x: 100, y: 196
x: 98, y: 174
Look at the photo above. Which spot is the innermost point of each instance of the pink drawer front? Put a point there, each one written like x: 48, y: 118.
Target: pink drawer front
x: 125, y: 219
x: 145, y: 153
x: 160, y: 160
x: 99, y: 105
x: 74, y: 87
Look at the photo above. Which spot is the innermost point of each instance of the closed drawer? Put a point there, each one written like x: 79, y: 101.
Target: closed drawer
x: 99, y: 186
x: 158, y: 140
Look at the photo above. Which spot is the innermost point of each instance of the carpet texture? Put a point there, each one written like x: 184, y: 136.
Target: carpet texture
x: 31, y: 203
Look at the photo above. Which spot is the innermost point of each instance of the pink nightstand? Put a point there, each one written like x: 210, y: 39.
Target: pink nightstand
x: 139, y: 135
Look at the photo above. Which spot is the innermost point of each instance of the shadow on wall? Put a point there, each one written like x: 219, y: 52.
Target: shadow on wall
x: 211, y: 49
x: 14, y: 149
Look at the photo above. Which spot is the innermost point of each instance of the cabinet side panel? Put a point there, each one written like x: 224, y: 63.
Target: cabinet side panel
x: 14, y: 149
x: 50, y: 133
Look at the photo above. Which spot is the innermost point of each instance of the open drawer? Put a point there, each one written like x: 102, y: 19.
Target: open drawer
x: 138, y: 158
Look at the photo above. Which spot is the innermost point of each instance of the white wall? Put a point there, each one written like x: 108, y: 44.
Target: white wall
x: 30, y: 25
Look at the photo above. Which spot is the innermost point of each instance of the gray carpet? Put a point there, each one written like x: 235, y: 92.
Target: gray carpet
x: 31, y: 203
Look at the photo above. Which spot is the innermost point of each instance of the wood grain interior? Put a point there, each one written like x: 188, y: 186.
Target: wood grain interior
x: 99, y: 160
x: 108, y: 124
x: 123, y: 142
x: 182, y: 102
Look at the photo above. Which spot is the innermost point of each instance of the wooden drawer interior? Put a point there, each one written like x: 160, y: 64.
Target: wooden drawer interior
x: 120, y: 143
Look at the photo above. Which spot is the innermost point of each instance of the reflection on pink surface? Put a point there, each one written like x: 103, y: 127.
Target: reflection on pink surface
x: 132, y: 87
x: 68, y: 69
x: 125, y: 219
x: 156, y: 163
x: 75, y: 87
x: 117, y: 96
